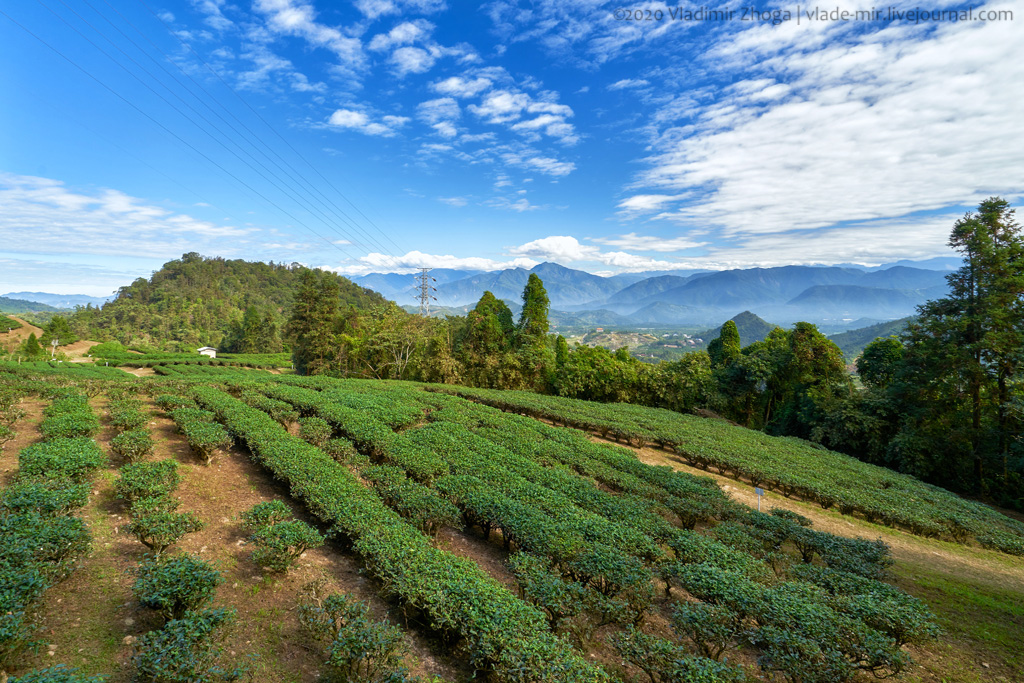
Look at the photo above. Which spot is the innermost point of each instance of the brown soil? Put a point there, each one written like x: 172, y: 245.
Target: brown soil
x: 140, y: 372
x: 86, y: 619
x: 26, y: 433
x: 8, y: 340
x: 78, y: 349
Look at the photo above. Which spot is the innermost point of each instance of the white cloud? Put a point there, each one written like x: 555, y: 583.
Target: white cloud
x: 562, y: 248
x: 406, y: 33
x: 649, y: 242
x: 412, y: 60
x: 501, y: 106
x: 214, y: 16
x: 42, y: 216
x: 361, y: 122
x: 374, y: 9
x: 461, y: 87
x: 833, y: 126
x: 507, y: 204
x: 629, y: 83
x: 453, y: 201
x: 298, y: 18
x: 413, y: 260
x: 645, y: 203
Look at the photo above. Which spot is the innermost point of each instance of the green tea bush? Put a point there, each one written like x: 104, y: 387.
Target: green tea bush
x: 315, y: 431
x: 266, y: 513
x: 56, y: 674
x: 711, y: 628
x: 160, y: 530
x: 359, y: 648
x: 175, y: 585
x: 147, y: 479
x: 133, y: 445
x: 76, y: 458
x: 54, y: 496
x: 279, y: 546
x: 665, y: 662
x: 185, y: 650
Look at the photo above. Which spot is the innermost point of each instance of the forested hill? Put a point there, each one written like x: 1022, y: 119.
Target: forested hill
x: 195, y: 301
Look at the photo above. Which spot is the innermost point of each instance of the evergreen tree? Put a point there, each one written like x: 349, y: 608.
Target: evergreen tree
x: 533, y: 320
x: 313, y: 323
x: 31, y: 347
x: 725, y: 348
x: 59, y: 329
x: 961, y: 377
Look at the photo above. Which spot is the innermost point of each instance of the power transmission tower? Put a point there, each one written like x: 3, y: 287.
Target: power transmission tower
x: 425, y: 290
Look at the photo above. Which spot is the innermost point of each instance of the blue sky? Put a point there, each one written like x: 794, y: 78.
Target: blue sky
x: 382, y: 135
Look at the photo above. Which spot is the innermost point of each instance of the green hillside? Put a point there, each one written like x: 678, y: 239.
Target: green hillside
x: 22, y: 306
x: 751, y: 327
x: 854, y: 341
x: 195, y: 301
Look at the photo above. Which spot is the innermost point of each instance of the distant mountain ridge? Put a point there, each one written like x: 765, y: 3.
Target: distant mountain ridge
x: 832, y: 295
x: 60, y: 300
x: 8, y: 305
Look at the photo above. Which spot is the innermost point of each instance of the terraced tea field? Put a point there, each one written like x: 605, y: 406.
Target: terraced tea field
x: 465, y: 541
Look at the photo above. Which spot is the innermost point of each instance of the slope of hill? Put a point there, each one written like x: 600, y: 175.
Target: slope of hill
x: 854, y: 301
x: 751, y: 328
x: 22, y: 306
x: 60, y: 300
x: 196, y: 301
x: 663, y: 313
x: 854, y: 341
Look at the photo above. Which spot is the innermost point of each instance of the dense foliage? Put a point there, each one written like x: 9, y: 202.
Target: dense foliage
x: 194, y: 301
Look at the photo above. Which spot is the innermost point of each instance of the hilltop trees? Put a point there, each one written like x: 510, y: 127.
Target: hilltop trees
x: 958, y: 384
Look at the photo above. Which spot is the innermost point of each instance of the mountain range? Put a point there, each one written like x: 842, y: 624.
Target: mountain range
x: 834, y: 295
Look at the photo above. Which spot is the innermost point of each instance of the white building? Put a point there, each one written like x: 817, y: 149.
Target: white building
x: 208, y: 351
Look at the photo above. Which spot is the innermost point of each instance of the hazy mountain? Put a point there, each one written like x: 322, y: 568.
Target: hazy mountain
x: 751, y: 328
x: 852, y: 301
x: 854, y: 341
x: 60, y: 300
x: 399, y: 286
x: 663, y: 313
x: 740, y: 288
x: 828, y: 295
x: 22, y: 306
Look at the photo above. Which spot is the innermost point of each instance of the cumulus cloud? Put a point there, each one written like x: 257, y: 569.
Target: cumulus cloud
x: 298, y: 18
x: 865, y: 126
x: 629, y: 83
x: 361, y: 122
x: 406, y: 33
x: 457, y: 86
x: 42, y: 216
x: 650, y: 242
x: 414, y: 260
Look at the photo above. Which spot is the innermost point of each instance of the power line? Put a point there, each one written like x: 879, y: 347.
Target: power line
x: 168, y: 130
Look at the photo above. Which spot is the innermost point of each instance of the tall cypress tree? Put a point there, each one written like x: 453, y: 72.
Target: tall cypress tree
x: 533, y: 321
x: 963, y: 361
x: 313, y: 322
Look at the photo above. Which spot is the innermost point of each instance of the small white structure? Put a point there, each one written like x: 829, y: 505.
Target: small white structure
x: 208, y: 351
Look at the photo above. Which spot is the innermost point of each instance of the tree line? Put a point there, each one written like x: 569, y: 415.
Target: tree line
x: 943, y: 401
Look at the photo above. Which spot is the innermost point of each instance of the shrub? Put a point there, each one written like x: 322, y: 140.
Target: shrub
x: 127, y: 415
x: 279, y: 546
x: 539, y: 585
x: 133, y: 445
x: 147, y: 479
x: 315, y: 431
x: 266, y: 514
x: 160, y: 530
x: 185, y: 650
x: 666, y: 662
x: 175, y: 585
x: 342, y: 450
x: 204, y: 438
x: 56, y: 496
x: 56, y: 674
x: 712, y: 628
x: 75, y: 458
x: 359, y: 649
